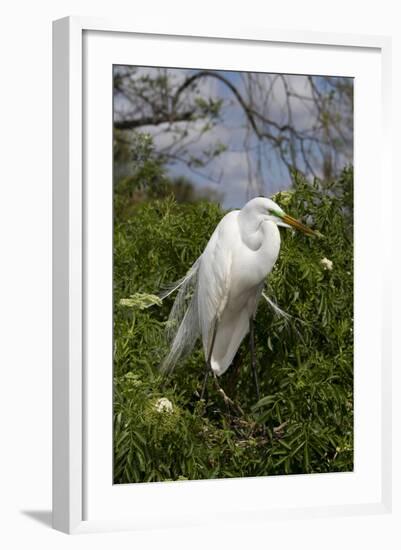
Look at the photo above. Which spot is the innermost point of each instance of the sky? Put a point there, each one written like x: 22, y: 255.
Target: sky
x: 248, y: 167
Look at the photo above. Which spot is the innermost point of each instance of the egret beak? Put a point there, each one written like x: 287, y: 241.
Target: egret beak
x: 298, y: 225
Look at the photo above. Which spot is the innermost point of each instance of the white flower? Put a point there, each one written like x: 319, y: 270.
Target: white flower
x: 164, y: 405
x: 327, y: 264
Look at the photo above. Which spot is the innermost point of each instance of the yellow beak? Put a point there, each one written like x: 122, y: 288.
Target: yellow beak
x: 298, y: 225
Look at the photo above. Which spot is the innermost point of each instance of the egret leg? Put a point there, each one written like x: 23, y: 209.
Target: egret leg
x: 207, y: 371
x: 253, y: 355
x: 208, y: 360
x: 227, y: 400
x: 234, y: 374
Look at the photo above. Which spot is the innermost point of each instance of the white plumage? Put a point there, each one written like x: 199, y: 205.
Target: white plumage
x: 220, y: 293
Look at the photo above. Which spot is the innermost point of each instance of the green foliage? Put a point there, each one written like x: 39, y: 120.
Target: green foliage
x: 144, y: 177
x: 141, y: 301
x: 304, y: 421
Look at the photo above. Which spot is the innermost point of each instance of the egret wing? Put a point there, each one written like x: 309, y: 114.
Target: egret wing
x: 214, y: 277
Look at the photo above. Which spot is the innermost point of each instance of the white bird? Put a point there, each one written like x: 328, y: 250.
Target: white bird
x: 225, y: 284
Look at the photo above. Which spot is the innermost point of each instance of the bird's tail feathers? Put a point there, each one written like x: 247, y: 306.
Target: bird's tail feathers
x: 172, y: 287
x: 276, y: 308
x: 285, y: 316
x: 182, y: 327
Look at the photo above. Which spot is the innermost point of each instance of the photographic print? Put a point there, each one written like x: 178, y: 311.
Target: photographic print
x: 232, y: 274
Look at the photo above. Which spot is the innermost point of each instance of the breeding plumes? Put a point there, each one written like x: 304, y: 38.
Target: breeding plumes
x: 218, y: 297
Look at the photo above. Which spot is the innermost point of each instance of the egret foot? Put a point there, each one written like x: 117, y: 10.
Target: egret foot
x: 279, y: 430
x: 227, y: 400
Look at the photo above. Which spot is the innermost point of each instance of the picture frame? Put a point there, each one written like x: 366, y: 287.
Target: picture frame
x: 75, y: 478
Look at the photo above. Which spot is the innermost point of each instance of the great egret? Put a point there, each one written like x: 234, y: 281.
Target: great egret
x: 224, y: 286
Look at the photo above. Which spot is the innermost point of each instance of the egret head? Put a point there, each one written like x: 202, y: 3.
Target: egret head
x: 270, y: 211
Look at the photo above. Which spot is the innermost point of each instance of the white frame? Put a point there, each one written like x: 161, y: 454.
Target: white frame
x: 68, y: 259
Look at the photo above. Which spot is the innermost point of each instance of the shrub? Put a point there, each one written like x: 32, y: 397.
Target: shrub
x: 304, y: 421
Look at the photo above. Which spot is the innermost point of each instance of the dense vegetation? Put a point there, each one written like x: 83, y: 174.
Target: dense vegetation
x: 303, y: 422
